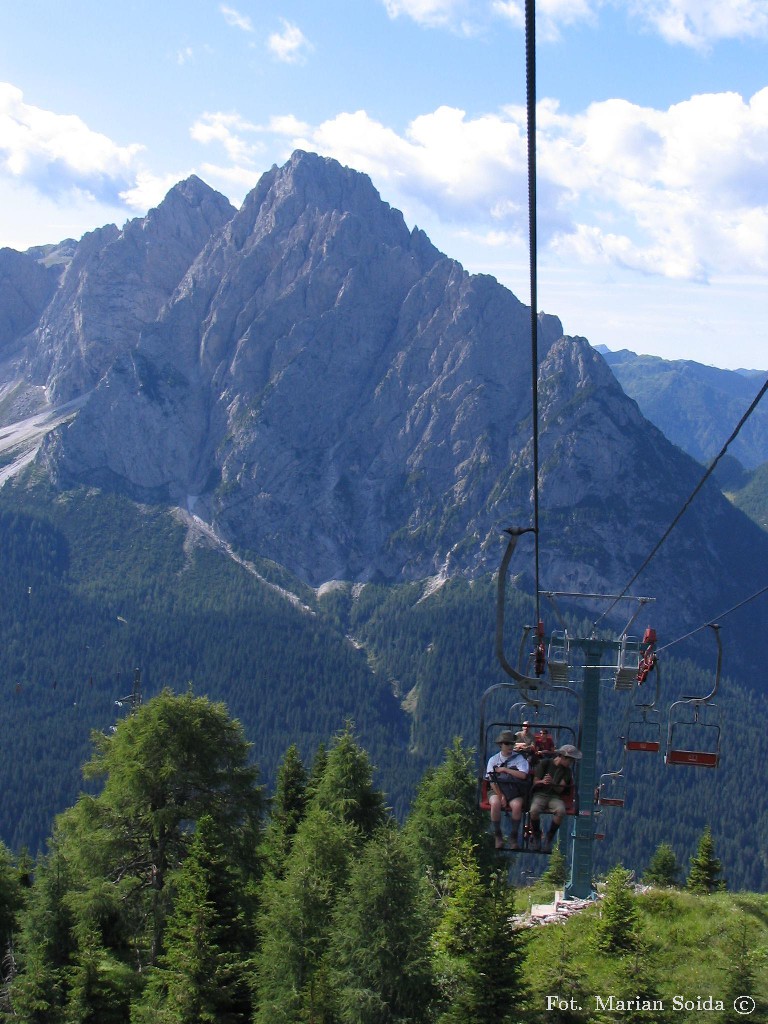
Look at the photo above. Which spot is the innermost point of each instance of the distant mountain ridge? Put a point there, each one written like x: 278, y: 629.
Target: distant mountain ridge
x: 696, y: 406
x: 329, y: 391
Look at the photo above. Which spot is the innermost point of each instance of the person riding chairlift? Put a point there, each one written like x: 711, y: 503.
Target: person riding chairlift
x: 507, y: 775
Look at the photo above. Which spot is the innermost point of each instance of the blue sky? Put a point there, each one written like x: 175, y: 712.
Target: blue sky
x: 652, y: 137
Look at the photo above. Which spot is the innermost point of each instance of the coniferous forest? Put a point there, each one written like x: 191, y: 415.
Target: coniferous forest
x: 96, y: 588
x: 181, y: 891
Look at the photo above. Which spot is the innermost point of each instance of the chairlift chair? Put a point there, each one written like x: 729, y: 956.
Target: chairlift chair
x: 599, y: 820
x: 643, y: 733
x: 693, y: 732
x: 626, y: 668
x: 612, y: 791
x: 558, y: 657
x: 692, y: 740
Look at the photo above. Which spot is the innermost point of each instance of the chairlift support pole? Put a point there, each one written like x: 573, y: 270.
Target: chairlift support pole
x: 136, y: 692
x: 582, y: 837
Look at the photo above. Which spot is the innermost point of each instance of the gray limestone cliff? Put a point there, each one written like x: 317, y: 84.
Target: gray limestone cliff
x: 116, y: 284
x: 326, y: 389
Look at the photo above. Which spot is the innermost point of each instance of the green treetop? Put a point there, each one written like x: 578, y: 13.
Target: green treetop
x: 705, y: 867
x: 663, y: 868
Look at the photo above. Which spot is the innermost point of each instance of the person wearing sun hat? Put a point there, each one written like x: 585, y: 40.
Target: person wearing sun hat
x: 552, y: 777
x: 507, y: 775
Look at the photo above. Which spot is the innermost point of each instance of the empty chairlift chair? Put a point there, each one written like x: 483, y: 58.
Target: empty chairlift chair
x: 693, y: 732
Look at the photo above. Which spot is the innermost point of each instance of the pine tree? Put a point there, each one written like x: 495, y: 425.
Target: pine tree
x: 557, y: 869
x: 705, y: 867
x: 618, y: 929
x: 477, y: 954
x: 10, y: 895
x: 101, y: 984
x: 10, y: 905
x: 296, y: 918
x: 319, y: 762
x: 639, y: 984
x: 561, y: 978
x: 346, y: 786
x: 445, y: 813
x: 663, y: 868
x: 204, y: 973
x: 45, y: 946
x: 379, y: 951
x: 746, y: 961
x: 286, y: 811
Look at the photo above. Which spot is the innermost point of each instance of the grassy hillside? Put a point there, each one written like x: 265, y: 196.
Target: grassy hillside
x: 692, y: 949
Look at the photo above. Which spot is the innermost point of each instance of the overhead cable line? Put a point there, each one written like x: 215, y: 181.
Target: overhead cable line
x: 692, y: 495
x: 717, y: 618
x: 530, y: 90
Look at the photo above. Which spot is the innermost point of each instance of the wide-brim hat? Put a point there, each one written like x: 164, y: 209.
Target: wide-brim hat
x: 568, y: 750
x: 506, y: 736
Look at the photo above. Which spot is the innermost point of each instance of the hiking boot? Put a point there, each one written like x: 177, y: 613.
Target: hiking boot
x: 499, y: 841
x: 534, y: 843
x: 513, y: 844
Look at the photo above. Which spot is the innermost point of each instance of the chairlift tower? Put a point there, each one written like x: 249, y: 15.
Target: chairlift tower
x: 592, y: 662
x: 582, y: 837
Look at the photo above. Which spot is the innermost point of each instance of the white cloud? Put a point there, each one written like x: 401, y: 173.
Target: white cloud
x: 430, y: 13
x: 149, y: 190
x: 699, y: 23
x: 472, y: 16
x: 58, y: 152
x: 693, y: 23
x: 230, y: 130
x: 289, y: 46
x: 681, y: 192
x: 551, y: 15
x: 236, y: 19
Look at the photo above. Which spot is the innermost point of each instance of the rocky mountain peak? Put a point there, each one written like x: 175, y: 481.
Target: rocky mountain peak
x: 116, y: 284
x: 327, y: 390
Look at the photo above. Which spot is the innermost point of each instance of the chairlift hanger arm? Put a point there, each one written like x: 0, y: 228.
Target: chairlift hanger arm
x: 716, y: 630
x: 529, y: 682
x: 641, y: 603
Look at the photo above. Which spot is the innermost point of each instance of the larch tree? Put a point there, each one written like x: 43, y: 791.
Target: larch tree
x: 163, y: 769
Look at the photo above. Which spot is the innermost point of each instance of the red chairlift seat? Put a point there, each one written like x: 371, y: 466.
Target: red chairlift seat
x: 612, y: 790
x: 650, y: 746
x: 699, y: 758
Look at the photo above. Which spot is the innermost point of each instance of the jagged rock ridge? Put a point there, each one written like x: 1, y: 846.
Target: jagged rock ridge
x: 328, y: 390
